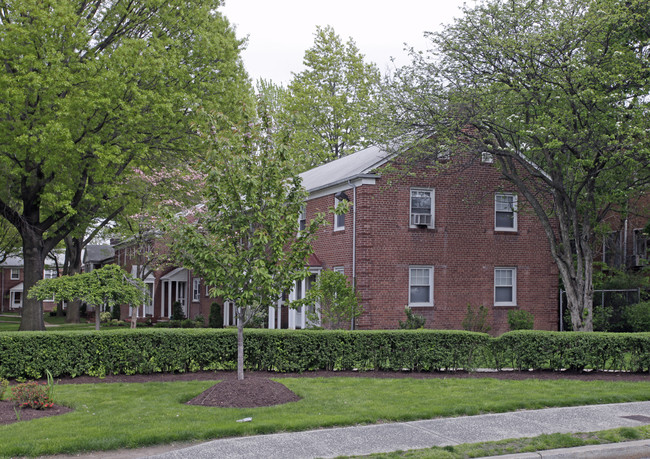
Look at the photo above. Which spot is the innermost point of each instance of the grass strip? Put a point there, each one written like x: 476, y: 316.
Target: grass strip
x: 522, y: 445
x: 111, y: 416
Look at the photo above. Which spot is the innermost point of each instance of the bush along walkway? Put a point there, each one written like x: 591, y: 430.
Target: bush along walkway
x: 447, y: 432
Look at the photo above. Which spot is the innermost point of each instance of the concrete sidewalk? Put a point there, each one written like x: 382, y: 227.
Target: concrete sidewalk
x: 379, y: 438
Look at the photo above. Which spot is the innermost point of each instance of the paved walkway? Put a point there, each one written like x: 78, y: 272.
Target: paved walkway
x: 435, y: 432
x: 362, y: 440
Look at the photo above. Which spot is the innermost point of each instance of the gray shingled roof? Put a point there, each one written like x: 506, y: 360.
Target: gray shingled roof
x: 355, y: 165
x: 98, y: 253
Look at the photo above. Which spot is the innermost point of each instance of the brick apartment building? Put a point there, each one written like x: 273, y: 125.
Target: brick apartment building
x: 435, y: 239
x: 12, y: 274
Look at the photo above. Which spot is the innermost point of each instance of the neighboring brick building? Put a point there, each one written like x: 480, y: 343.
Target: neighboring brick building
x: 12, y: 274
x: 166, y: 283
x: 436, y: 239
x: 626, y: 246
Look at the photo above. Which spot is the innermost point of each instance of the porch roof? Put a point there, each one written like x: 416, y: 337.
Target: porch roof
x: 178, y: 274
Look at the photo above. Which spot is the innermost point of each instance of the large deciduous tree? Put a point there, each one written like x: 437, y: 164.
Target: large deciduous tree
x: 329, y: 104
x: 557, y: 92
x: 90, y: 89
x: 244, y: 241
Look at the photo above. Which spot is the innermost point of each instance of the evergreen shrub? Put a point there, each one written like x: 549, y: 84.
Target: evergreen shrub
x: 215, y: 319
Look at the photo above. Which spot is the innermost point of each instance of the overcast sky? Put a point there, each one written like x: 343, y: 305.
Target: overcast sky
x: 279, y: 31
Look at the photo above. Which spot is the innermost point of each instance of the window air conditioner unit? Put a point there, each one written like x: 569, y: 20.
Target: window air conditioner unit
x: 487, y: 158
x: 421, y: 219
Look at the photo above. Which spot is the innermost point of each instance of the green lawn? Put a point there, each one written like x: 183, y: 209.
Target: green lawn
x: 110, y: 416
x: 11, y: 322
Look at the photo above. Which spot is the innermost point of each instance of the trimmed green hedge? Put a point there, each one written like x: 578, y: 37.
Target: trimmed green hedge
x: 75, y: 353
x: 528, y: 349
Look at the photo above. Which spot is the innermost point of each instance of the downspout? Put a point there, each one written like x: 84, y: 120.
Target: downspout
x: 354, y: 242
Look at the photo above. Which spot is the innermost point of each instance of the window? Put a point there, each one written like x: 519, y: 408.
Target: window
x: 339, y: 219
x: 196, y: 289
x: 15, y: 273
x: 339, y: 269
x: 207, y: 290
x: 422, y: 208
x: 49, y: 274
x: 505, y: 286
x: 302, y: 219
x: 421, y: 286
x: 486, y: 157
x: 180, y: 293
x: 505, y: 212
x: 149, y: 301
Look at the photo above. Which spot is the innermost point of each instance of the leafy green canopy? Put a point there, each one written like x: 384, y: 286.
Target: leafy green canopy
x: 557, y: 92
x: 244, y: 241
x: 91, y: 89
x: 109, y: 285
x: 329, y: 104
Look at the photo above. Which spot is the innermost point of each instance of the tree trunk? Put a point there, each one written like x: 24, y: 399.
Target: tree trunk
x: 134, y: 317
x: 34, y: 263
x: 98, y: 310
x: 240, y: 350
x: 72, y: 266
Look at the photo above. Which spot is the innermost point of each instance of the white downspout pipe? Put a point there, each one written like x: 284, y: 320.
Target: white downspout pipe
x: 354, y: 241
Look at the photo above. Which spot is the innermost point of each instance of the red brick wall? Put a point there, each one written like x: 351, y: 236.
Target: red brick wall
x: 463, y: 248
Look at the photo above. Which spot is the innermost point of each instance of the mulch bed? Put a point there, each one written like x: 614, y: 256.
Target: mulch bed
x: 249, y: 393
x: 8, y: 415
x: 257, y: 389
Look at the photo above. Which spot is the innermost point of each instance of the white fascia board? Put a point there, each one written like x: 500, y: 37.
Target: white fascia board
x: 348, y: 184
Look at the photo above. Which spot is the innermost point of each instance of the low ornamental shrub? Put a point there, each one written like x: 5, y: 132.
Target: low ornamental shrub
x: 32, y: 395
x: 637, y: 316
x: 476, y: 319
x: 413, y: 321
x: 519, y: 319
x: 177, y: 311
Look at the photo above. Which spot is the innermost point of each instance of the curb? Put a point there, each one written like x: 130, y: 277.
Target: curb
x: 628, y: 450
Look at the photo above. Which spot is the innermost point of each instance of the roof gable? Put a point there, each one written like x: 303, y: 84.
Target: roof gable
x: 343, y: 169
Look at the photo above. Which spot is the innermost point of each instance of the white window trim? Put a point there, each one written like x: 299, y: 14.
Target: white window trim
x: 336, y: 220
x: 433, y: 207
x: 17, y: 271
x: 302, y: 218
x: 514, y: 286
x: 419, y: 304
x: 196, y: 290
x: 512, y: 229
